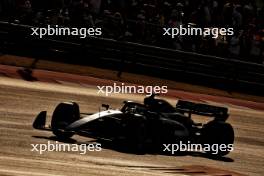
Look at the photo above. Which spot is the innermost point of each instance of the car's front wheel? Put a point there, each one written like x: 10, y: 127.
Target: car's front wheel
x: 63, y: 115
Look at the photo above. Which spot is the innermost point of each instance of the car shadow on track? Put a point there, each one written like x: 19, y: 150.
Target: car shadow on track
x: 116, y: 147
x: 112, y: 146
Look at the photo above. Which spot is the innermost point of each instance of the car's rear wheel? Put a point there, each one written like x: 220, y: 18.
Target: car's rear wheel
x: 218, y: 137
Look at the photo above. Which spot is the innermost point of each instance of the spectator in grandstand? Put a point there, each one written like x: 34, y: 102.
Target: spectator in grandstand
x: 234, y: 45
x: 142, y: 21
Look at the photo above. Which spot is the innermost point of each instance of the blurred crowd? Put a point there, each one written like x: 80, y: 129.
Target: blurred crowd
x: 142, y: 21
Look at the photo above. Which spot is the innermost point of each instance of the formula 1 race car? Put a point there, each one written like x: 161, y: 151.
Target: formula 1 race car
x: 143, y: 126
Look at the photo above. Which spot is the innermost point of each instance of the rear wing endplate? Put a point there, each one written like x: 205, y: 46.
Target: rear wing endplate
x: 220, y: 113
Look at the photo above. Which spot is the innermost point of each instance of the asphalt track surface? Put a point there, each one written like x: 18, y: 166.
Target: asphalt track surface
x: 22, y: 100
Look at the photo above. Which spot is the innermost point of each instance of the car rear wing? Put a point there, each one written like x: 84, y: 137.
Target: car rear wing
x: 220, y: 113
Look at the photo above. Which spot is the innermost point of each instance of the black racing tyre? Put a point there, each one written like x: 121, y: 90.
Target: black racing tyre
x: 64, y: 114
x: 218, y: 134
x: 136, y: 135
